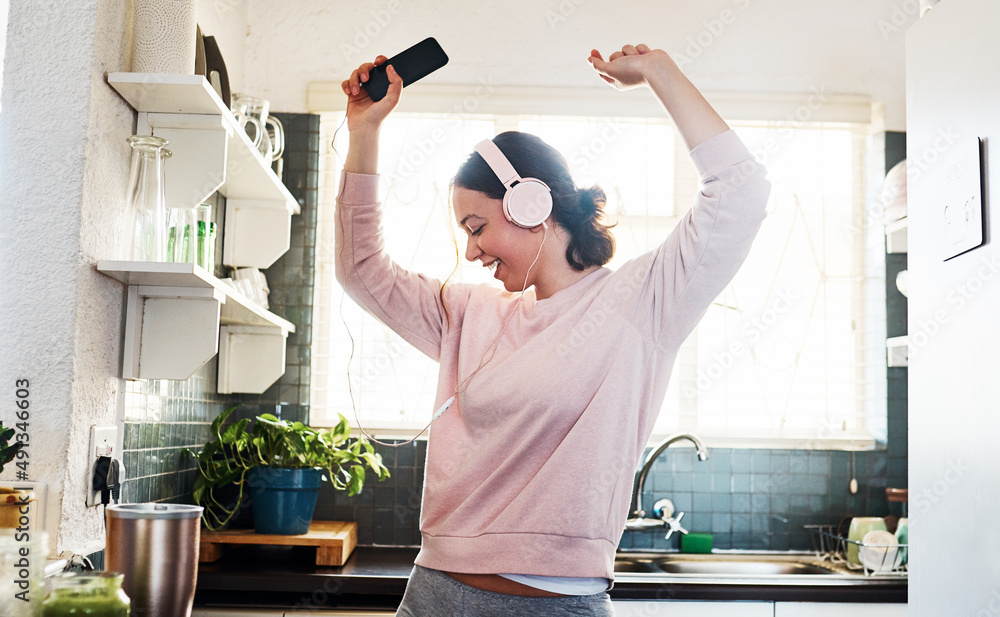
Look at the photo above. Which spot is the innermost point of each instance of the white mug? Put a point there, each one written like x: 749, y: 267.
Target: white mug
x: 860, y: 526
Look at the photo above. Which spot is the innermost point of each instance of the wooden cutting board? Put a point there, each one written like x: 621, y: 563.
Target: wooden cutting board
x: 334, y: 541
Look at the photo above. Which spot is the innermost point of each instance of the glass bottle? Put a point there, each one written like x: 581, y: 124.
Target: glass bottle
x: 22, y: 569
x: 205, y: 243
x: 181, y: 239
x: 94, y: 594
x: 147, y: 206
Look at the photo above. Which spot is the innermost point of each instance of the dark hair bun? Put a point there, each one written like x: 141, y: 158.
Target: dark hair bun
x: 591, y: 242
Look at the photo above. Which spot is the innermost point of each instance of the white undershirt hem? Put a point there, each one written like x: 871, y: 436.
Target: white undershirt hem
x: 567, y: 585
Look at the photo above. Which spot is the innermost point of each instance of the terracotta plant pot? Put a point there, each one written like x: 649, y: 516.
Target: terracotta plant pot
x: 11, y: 502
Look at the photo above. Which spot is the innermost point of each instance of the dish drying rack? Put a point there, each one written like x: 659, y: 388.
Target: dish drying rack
x: 882, y: 559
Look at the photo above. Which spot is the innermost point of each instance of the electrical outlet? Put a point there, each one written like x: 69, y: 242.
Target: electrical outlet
x: 102, y: 443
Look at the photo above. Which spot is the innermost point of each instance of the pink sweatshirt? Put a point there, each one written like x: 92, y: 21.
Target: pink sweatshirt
x: 530, y: 471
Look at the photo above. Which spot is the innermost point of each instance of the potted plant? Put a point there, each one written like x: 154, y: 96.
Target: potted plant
x: 11, y: 499
x: 282, y: 464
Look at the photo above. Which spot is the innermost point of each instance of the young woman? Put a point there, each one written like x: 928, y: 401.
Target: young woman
x: 558, y: 377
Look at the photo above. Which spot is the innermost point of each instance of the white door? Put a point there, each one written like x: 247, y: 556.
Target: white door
x: 685, y: 608
x: 831, y: 609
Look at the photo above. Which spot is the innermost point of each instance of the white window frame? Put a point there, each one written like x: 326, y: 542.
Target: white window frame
x: 803, y: 110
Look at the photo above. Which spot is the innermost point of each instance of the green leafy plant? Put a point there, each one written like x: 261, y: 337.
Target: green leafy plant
x: 272, y: 442
x: 8, y: 450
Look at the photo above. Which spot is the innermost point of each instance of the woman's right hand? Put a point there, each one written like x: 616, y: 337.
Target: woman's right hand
x: 362, y: 112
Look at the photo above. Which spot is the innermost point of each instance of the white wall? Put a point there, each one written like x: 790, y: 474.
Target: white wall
x: 4, y: 8
x: 774, y: 46
x: 63, y: 168
x: 953, y: 90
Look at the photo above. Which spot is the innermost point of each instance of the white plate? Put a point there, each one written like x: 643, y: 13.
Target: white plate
x: 878, y: 551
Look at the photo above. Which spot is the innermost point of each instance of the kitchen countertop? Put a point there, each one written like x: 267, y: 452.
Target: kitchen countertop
x: 375, y: 578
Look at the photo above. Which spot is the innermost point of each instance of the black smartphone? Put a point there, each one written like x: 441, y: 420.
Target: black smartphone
x: 412, y: 64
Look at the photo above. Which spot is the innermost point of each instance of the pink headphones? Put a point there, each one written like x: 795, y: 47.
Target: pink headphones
x: 528, y: 201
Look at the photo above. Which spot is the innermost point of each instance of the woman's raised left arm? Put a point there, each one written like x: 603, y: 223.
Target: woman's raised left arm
x: 710, y: 242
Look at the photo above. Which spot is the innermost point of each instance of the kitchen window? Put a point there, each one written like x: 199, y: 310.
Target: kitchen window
x: 791, y: 354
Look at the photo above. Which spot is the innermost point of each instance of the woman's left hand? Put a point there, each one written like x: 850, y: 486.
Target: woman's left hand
x: 629, y: 67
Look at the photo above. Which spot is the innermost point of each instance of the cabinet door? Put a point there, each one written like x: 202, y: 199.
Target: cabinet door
x: 279, y: 612
x: 236, y: 612
x: 684, y: 608
x: 832, y: 609
x: 343, y: 613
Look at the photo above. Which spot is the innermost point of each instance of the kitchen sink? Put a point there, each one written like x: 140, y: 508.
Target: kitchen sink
x: 750, y: 568
x: 725, y: 565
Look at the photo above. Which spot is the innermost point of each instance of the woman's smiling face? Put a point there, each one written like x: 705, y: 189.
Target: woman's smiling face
x: 493, y: 240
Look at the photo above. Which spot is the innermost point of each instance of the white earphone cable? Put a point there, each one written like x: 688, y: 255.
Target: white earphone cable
x: 461, y: 387
x: 496, y: 342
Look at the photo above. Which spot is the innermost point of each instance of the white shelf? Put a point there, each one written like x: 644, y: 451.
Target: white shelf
x: 897, y: 351
x: 238, y: 309
x: 173, y: 320
x: 241, y: 350
x: 213, y: 153
x: 895, y: 236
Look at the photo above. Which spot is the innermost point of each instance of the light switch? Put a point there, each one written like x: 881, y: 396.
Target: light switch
x: 955, y: 182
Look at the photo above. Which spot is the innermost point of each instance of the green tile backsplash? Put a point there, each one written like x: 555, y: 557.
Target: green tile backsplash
x: 163, y: 417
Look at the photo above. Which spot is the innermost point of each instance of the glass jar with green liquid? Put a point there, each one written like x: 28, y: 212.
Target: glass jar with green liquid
x: 86, y: 594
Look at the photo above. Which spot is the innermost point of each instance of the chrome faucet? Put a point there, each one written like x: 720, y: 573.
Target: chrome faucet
x: 663, y: 509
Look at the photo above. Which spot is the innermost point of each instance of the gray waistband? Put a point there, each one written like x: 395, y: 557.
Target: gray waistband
x: 432, y: 593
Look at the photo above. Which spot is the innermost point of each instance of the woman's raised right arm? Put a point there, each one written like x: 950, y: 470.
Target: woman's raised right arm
x: 365, y: 117
x: 408, y: 303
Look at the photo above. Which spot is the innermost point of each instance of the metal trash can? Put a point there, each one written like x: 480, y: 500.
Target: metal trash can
x: 155, y: 547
